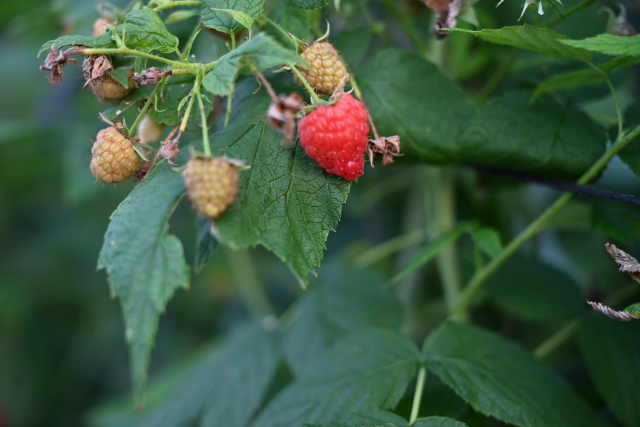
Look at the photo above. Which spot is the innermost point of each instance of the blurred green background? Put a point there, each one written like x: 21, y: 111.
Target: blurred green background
x: 62, y: 350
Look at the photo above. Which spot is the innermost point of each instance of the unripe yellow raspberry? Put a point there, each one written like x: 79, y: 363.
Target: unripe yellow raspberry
x: 212, y: 184
x: 113, y: 158
x: 326, y: 69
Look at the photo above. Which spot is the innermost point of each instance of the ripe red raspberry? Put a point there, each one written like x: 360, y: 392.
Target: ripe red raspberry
x: 113, y: 158
x: 336, y: 136
x: 326, y: 68
x: 212, y: 184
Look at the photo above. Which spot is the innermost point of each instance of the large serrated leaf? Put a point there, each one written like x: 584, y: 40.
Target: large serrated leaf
x: 528, y: 37
x: 499, y: 378
x: 429, y: 113
x: 262, y: 51
x: 145, y: 264
x: 612, y: 352
x: 437, y: 422
x: 608, y: 44
x: 370, y: 370
x: 546, y: 138
x: 228, y: 385
x: 370, y: 419
x: 357, y: 300
x: 102, y: 42
x: 532, y: 290
x: 145, y: 31
x: 310, y: 4
x: 285, y: 201
x: 223, y: 21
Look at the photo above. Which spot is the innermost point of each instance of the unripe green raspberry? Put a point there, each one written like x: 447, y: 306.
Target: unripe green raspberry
x: 113, y: 158
x: 326, y: 69
x: 212, y: 184
x: 105, y: 88
x: 149, y: 130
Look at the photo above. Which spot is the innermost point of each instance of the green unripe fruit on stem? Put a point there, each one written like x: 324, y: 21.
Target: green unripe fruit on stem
x: 212, y: 184
x: 113, y: 158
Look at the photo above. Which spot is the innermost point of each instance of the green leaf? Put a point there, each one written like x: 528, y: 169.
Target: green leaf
x: 228, y: 385
x: 633, y: 309
x: 101, y: 42
x: 533, y: 290
x: 285, y: 202
x: 488, y: 240
x: 528, y: 37
x: 146, y: 32
x: 206, y: 244
x: 181, y: 15
x: 547, y: 138
x: 145, y: 263
x: 437, y: 422
x: 575, y: 79
x: 391, y: 91
x: 241, y: 17
x: 174, y: 91
x: 356, y: 299
x: 567, y: 81
x: 293, y: 20
x: 223, y: 21
x: 262, y: 51
x: 608, y: 44
x: 121, y: 75
x: 619, y: 222
x: 310, y: 4
x: 370, y: 370
x: 611, y: 350
x: 499, y: 378
x: 431, y: 250
x: 371, y: 419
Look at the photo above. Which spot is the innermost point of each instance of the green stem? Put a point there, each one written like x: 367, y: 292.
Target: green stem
x: 233, y: 41
x: 536, y: 226
x: 417, y: 396
x: 203, y: 118
x: 497, y: 77
x: 306, y: 84
x: 229, y: 105
x: 555, y: 340
x: 187, y: 113
x: 127, y: 51
x: 282, y: 31
x: 248, y: 283
x: 389, y: 247
x: 606, y: 78
x: 354, y: 85
x: 145, y: 108
x: 176, y: 4
x: 441, y: 219
x: 407, y: 24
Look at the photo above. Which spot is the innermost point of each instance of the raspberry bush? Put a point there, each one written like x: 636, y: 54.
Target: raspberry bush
x: 445, y: 124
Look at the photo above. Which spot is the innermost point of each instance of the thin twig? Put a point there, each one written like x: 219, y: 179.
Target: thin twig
x: 570, y: 187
